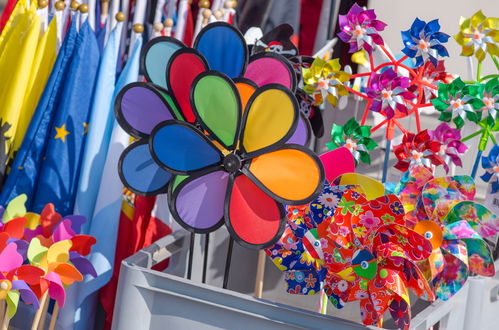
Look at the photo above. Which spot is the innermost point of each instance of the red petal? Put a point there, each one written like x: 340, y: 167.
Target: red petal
x: 49, y: 218
x: 30, y: 274
x: 82, y: 244
x: 15, y: 228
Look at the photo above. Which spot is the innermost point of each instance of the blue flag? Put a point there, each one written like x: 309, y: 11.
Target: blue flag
x: 25, y: 169
x: 58, y: 180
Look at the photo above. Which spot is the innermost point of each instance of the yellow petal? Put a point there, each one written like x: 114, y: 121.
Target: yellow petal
x: 477, y: 18
x: 460, y: 39
x: 480, y: 55
x: 467, y: 51
x: 491, y: 23
x: 464, y: 23
x: 59, y: 252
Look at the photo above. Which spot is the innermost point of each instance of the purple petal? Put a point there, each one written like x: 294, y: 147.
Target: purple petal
x: 367, y: 15
x: 30, y: 234
x: 63, y: 231
x: 83, y: 265
x: 377, y: 39
x: 77, y: 222
x: 378, y: 25
x: 26, y: 294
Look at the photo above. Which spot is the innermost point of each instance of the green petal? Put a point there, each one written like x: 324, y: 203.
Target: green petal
x: 12, y: 302
x: 458, y: 121
x: 439, y: 104
x: 364, y: 157
x: 331, y: 145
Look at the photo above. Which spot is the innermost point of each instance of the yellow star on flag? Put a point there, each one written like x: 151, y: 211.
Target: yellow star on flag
x: 85, y: 128
x: 61, y: 133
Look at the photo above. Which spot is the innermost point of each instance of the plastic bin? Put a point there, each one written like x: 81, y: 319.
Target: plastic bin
x: 149, y: 299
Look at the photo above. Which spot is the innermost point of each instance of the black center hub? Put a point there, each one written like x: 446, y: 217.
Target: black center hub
x: 232, y: 163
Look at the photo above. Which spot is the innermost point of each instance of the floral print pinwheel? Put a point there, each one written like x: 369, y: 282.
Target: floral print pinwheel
x: 389, y: 93
x: 360, y: 28
x: 456, y: 227
x: 417, y: 149
x: 491, y: 165
x: 324, y: 80
x: 423, y: 41
x: 356, y: 138
x: 451, y: 146
x: 478, y: 36
x: 371, y: 257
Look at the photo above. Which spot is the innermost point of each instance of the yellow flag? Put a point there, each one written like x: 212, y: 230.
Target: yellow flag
x: 19, y: 8
x: 44, y: 60
x: 16, y: 62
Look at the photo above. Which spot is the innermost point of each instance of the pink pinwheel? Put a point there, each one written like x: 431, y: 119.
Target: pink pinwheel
x: 451, y: 145
x: 389, y: 93
x: 417, y: 149
x: 360, y: 29
x: 13, y: 285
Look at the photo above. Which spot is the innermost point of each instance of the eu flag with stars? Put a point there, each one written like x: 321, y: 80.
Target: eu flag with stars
x: 26, y: 167
x: 58, y: 180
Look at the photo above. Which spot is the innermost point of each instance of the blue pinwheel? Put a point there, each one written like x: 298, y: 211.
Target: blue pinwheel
x: 491, y: 166
x: 423, y: 41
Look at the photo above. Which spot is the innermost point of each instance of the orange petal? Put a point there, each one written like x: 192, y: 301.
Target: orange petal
x: 68, y: 274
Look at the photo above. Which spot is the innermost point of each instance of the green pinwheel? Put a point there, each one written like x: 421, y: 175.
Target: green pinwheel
x: 486, y: 100
x: 454, y: 102
x: 355, y: 138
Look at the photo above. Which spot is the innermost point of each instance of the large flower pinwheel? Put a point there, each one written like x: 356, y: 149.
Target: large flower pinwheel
x: 453, y: 102
x: 456, y: 227
x: 239, y: 168
x: 423, y: 41
x: 417, y: 149
x: 478, y: 35
x: 14, y: 279
x: 486, y: 100
x: 389, y: 93
x: 450, y: 144
x: 371, y: 257
x: 360, y: 29
x: 354, y: 137
x: 324, y: 80
x: 491, y: 165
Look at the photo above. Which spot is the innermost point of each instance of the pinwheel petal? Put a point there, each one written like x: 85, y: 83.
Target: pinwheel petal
x: 68, y: 274
x: 270, y: 68
x: 82, y: 244
x: 26, y: 293
x: 337, y: 162
x: 83, y: 265
x: 56, y: 289
x: 155, y: 58
x: 139, y: 107
x: 480, y: 258
x: 15, y: 227
x: 59, y: 252
x: 197, y: 202
x: 299, y: 179
x: 251, y: 216
x: 181, y: 149
x: 10, y: 259
x: 215, y: 96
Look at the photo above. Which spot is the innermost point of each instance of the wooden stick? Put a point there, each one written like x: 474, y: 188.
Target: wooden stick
x: 260, y: 271
x: 55, y: 314
x: 38, y: 314
x: 6, y: 318
x: 44, y: 314
x: 3, y: 309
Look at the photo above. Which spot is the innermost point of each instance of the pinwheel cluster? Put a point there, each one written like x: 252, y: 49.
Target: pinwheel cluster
x: 40, y: 254
x: 354, y: 137
x: 223, y: 137
x: 444, y: 212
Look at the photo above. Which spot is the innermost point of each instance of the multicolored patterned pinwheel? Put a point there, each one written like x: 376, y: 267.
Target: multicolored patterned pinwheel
x: 456, y: 227
x: 450, y: 144
x: 355, y: 138
x: 491, y: 165
x: 360, y: 28
x: 423, y: 41
x: 478, y: 36
x: 324, y: 80
x: 371, y: 255
x: 417, y: 149
x: 389, y: 93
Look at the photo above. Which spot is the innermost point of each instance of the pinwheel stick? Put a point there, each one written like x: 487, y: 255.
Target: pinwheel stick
x: 191, y: 254
x: 55, y: 314
x: 3, y: 310
x: 6, y: 321
x: 260, y: 271
x: 387, y: 159
x: 205, y: 257
x: 38, y: 314
x: 227, y: 263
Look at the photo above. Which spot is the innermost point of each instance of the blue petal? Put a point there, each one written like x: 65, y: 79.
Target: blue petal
x: 440, y: 50
x: 486, y: 162
x: 432, y: 26
x: 416, y: 28
x: 434, y: 60
x: 409, y: 52
x: 440, y: 36
x: 407, y: 38
x: 486, y: 177
x: 419, y: 61
x: 494, y: 153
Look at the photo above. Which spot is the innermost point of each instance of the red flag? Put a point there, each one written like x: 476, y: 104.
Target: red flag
x: 137, y: 229
x: 189, y: 27
x: 7, y: 11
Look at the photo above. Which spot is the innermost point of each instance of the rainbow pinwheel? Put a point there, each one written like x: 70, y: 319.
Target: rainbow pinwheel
x: 423, y: 41
x: 453, y: 102
x: 478, y: 36
x: 371, y: 255
x: 389, y: 93
x: 324, y: 80
x: 450, y: 144
x: 456, y: 227
x: 491, y: 165
x: 360, y: 28
x: 354, y: 137
x: 417, y: 149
